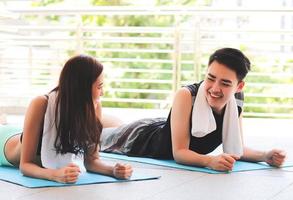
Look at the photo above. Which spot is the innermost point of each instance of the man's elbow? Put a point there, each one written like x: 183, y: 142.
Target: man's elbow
x: 177, y: 155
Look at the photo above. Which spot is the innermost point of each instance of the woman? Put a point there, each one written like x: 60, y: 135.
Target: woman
x: 203, y: 116
x: 63, y: 128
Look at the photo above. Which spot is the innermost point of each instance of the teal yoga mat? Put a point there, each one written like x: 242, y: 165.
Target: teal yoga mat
x: 13, y: 175
x: 238, y: 167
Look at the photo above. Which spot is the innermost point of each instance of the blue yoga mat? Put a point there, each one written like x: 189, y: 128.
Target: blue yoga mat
x: 238, y: 167
x: 13, y: 175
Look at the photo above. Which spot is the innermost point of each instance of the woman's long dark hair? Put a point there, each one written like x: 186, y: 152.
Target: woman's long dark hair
x: 78, y: 128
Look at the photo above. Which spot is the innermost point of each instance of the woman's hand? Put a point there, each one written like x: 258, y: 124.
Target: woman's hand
x: 122, y: 171
x: 275, y: 157
x: 67, y: 174
x: 223, y: 162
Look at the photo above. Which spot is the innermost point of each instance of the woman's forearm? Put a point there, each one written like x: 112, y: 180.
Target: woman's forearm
x: 98, y: 166
x: 33, y: 170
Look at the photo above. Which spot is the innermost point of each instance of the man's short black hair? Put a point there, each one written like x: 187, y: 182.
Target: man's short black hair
x: 234, y: 59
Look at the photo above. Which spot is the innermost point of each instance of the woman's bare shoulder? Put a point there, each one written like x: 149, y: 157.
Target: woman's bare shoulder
x: 39, y: 101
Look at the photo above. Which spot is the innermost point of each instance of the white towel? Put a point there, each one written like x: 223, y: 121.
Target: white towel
x: 203, y: 123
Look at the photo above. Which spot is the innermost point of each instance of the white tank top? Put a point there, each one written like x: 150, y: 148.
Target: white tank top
x: 49, y: 157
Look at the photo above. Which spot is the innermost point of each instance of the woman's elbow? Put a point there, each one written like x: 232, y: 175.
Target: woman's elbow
x: 89, y: 164
x: 22, y: 168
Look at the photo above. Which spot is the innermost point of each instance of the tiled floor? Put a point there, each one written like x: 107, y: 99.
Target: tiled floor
x: 276, y: 184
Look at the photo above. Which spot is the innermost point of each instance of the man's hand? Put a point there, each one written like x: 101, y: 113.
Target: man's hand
x: 275, y: 157
x: 223, y: 162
